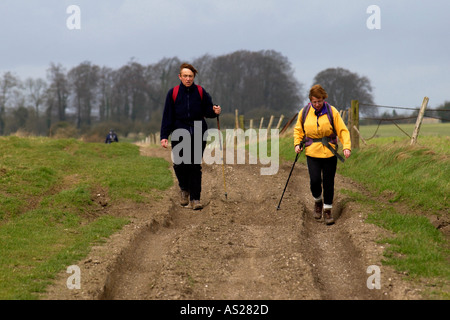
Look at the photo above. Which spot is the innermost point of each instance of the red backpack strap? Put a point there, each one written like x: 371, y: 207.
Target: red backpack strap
x: 175, y: 93
x: 200, y: 91
x: 177, y: 88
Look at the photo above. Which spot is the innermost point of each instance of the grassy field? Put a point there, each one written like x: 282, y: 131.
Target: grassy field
x: 48, y: 215
x: 417, y: 177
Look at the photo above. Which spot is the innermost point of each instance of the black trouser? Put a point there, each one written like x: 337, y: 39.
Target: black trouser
x: 189, y: 174
x: 322, y: 170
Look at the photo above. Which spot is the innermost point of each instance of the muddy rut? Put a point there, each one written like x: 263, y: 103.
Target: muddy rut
x: 239, y: 247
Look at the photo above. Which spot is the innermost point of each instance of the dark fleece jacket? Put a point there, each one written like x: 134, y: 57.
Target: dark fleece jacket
x: 187, y: 108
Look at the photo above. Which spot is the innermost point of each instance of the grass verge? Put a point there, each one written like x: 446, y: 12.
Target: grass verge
x: 49, y: 218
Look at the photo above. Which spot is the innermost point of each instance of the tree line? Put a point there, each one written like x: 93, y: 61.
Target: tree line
x: 90, y: 98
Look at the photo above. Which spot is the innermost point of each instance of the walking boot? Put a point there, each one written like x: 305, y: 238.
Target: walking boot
x: 184, y: 198
x: 318, y: 206
x: 328, y: 217
x: 196, y: 205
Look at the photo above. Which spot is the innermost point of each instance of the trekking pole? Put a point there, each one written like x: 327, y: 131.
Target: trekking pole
x: 223, y: 165
x: 296, y: 158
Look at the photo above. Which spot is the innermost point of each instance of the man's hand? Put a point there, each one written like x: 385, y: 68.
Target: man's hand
x: 164, y: 143
x: 217, y: 109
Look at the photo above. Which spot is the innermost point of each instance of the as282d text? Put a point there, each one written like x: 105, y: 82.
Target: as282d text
x: 234, y: 309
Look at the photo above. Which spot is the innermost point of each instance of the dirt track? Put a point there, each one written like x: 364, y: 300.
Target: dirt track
x: 239, y: 248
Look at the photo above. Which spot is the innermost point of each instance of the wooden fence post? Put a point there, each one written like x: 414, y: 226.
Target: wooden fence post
x: 349, y: 117
x: 270, y: 124
x: 236, y: 120
x: 419, y: 120
x: 261, y: 124
x: 241, y: 122
x: 279, y: 122
x: 287, y: 125
x: 354, y: 124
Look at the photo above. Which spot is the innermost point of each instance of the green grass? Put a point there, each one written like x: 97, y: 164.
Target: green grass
x: 48, y: 215
x: 418, y: 248
x: 437, y: 135
x: 417, y: 177
x: 391, y: 130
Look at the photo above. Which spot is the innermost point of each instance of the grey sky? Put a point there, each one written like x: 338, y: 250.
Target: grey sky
x: 407, y: 59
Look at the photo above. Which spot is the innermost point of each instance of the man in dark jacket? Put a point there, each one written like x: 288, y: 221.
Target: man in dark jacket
x: 184, y: 115
x: 111, y: 137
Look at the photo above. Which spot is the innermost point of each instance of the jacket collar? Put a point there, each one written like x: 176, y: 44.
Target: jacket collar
x: 187, y: 88
x: 322, y: 111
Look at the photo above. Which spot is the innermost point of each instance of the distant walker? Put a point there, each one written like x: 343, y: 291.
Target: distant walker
x: 111, y: 137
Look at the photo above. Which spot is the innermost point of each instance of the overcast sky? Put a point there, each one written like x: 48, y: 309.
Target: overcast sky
x: 406, y: 60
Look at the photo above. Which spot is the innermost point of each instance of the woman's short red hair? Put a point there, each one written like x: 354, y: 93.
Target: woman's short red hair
x: 318, y: 92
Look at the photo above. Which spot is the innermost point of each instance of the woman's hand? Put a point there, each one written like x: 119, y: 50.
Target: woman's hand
x: 299, y: 148
x: 347, y: 153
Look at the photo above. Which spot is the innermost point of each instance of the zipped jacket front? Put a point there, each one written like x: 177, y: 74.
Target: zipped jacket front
x: 318, y: 127
x: 188, y: 108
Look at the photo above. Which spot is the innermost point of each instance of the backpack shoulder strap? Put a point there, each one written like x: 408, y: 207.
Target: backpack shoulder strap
x: 200, y: 91
x: 175, y: 93
x: 330, y: 115
x: 177, y: 89
x: 305, y: 112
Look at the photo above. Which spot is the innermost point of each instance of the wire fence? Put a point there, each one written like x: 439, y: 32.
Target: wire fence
x: 434, y: 113
x: 429, y: 113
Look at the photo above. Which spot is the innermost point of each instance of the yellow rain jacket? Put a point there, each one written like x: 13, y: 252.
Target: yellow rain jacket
x: 317, y: 128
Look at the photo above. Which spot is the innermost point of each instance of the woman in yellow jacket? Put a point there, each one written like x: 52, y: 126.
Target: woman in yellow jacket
x: 317, y: 135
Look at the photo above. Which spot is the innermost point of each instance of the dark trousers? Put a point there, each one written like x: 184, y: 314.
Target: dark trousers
x: 322, y: 171
x: 189, y: 175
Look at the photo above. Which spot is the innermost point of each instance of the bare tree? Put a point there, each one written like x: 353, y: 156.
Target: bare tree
x: 84, y: 81
x: 105, y: 93
x: 160, y: 78
x: 7, y: 83
x: 36, y: 92
x: 130, y: 94
x: 138, y: 91
x: 252, y: 82
x: 344, y: 86
x: 59, y: 89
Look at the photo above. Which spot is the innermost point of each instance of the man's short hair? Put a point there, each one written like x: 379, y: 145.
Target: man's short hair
x: 190, y: 67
